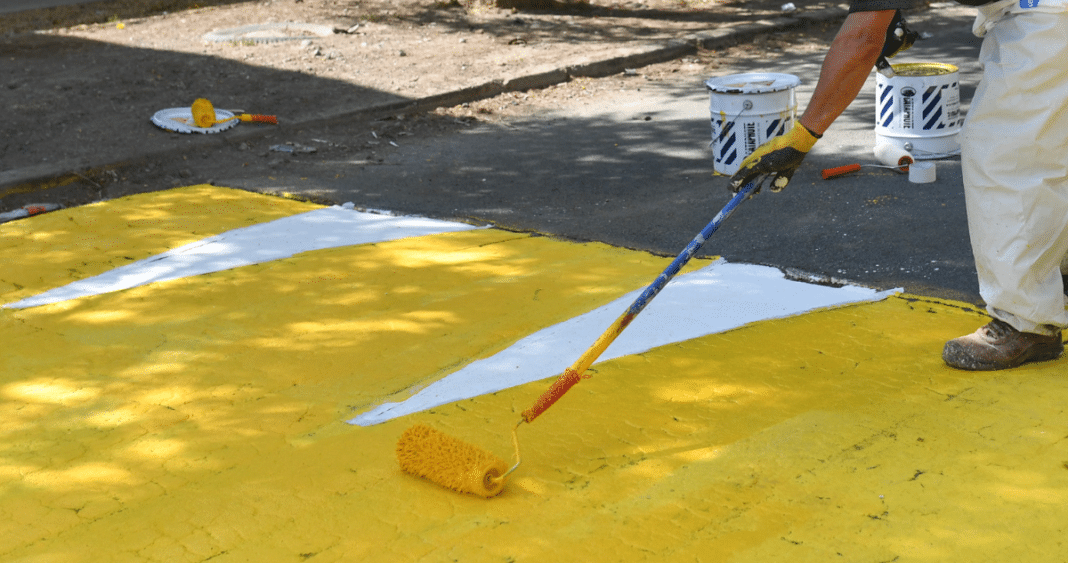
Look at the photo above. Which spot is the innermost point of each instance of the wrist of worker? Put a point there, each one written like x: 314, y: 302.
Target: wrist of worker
x: 803, y: 138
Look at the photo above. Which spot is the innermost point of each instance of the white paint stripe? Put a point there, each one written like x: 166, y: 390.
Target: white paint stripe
x: 717, y: 298
x: 315, y: 230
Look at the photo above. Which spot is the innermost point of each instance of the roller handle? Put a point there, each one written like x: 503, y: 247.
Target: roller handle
x: 258, y: 118
x: 562, y: 385
x: 829, y: 173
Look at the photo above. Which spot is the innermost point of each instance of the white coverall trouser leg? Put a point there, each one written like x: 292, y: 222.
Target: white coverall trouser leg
x: 1015, y: 164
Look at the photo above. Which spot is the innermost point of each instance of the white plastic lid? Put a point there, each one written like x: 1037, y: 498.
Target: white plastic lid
x: 752, y: 83
x: 180, y: 120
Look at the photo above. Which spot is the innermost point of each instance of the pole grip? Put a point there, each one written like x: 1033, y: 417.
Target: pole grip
x: 258, y: 118
x: 562, y: 385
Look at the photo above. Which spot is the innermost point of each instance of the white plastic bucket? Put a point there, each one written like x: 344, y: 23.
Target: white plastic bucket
x: 918, y: 109
x: 747, y: 111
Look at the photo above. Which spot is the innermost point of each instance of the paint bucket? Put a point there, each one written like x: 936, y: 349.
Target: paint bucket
x: 918, y: 109
x: 747, y: 111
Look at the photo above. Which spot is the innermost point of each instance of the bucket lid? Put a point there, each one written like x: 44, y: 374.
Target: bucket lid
x: 752, y: 83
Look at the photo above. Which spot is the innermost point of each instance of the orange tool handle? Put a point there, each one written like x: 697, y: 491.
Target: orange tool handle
x: 840, y: 171
x: 259, y: 118
x: 562, y: 384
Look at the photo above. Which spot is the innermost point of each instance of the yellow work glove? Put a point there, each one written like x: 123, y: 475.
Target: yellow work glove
x: 778, y: 157
x: 898, y: 38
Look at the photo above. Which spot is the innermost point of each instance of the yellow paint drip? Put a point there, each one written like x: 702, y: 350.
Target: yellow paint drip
x: 199, y: 419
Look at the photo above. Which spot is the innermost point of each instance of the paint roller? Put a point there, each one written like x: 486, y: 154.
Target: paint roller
x: 454, y: 464
x: 891, y: 156
x: 204, y: 115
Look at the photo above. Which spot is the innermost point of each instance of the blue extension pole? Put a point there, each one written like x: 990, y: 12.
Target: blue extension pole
x: 576, y: 372
x: 687, y: 253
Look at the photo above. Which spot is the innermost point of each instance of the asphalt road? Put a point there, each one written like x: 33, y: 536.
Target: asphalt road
x: 633, y: 170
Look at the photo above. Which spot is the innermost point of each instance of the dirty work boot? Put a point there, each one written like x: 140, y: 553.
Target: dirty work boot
x: 1000, y: 346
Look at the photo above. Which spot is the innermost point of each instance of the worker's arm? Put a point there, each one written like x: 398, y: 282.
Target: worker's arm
x: 848, y: 63
x: 845, y: 69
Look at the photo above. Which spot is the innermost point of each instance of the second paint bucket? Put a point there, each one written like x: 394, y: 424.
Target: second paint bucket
x: 747, y: 111
x: 918, y: 109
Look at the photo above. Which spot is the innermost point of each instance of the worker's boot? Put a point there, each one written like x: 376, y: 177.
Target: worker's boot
x: 1000, y: 346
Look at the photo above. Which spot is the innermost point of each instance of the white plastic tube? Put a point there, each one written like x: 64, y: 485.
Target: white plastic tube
x: 922, y: 172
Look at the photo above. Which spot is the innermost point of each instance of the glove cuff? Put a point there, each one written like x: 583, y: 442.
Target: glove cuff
x: 805, y: 138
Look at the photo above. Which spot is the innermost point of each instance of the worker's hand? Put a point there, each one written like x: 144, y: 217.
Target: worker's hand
x: 778, y: 157
x: 898, y: 37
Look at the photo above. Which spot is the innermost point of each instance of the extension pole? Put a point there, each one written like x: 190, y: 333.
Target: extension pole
x: 576, y: 372
x: 452, y: 463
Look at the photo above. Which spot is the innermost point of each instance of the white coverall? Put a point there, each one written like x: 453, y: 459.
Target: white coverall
x: 1014, y: 154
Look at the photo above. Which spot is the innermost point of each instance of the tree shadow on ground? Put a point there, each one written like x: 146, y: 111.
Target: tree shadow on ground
x: 76, y: 104
x: 95, y: 12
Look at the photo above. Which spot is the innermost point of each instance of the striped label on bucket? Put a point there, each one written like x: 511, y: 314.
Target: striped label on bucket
x: 726, y: 141
x: 728, y: 149
x: 886, y: 105
x: 938, y: 110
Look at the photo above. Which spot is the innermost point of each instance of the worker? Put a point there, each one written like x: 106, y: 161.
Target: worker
x: 1013, y: 157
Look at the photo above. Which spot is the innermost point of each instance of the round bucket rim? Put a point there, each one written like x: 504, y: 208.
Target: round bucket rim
x: 780, y: 82
x: 901, y: 67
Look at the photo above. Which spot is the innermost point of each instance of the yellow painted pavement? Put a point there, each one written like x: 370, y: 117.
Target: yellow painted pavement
x: 201, y: 419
